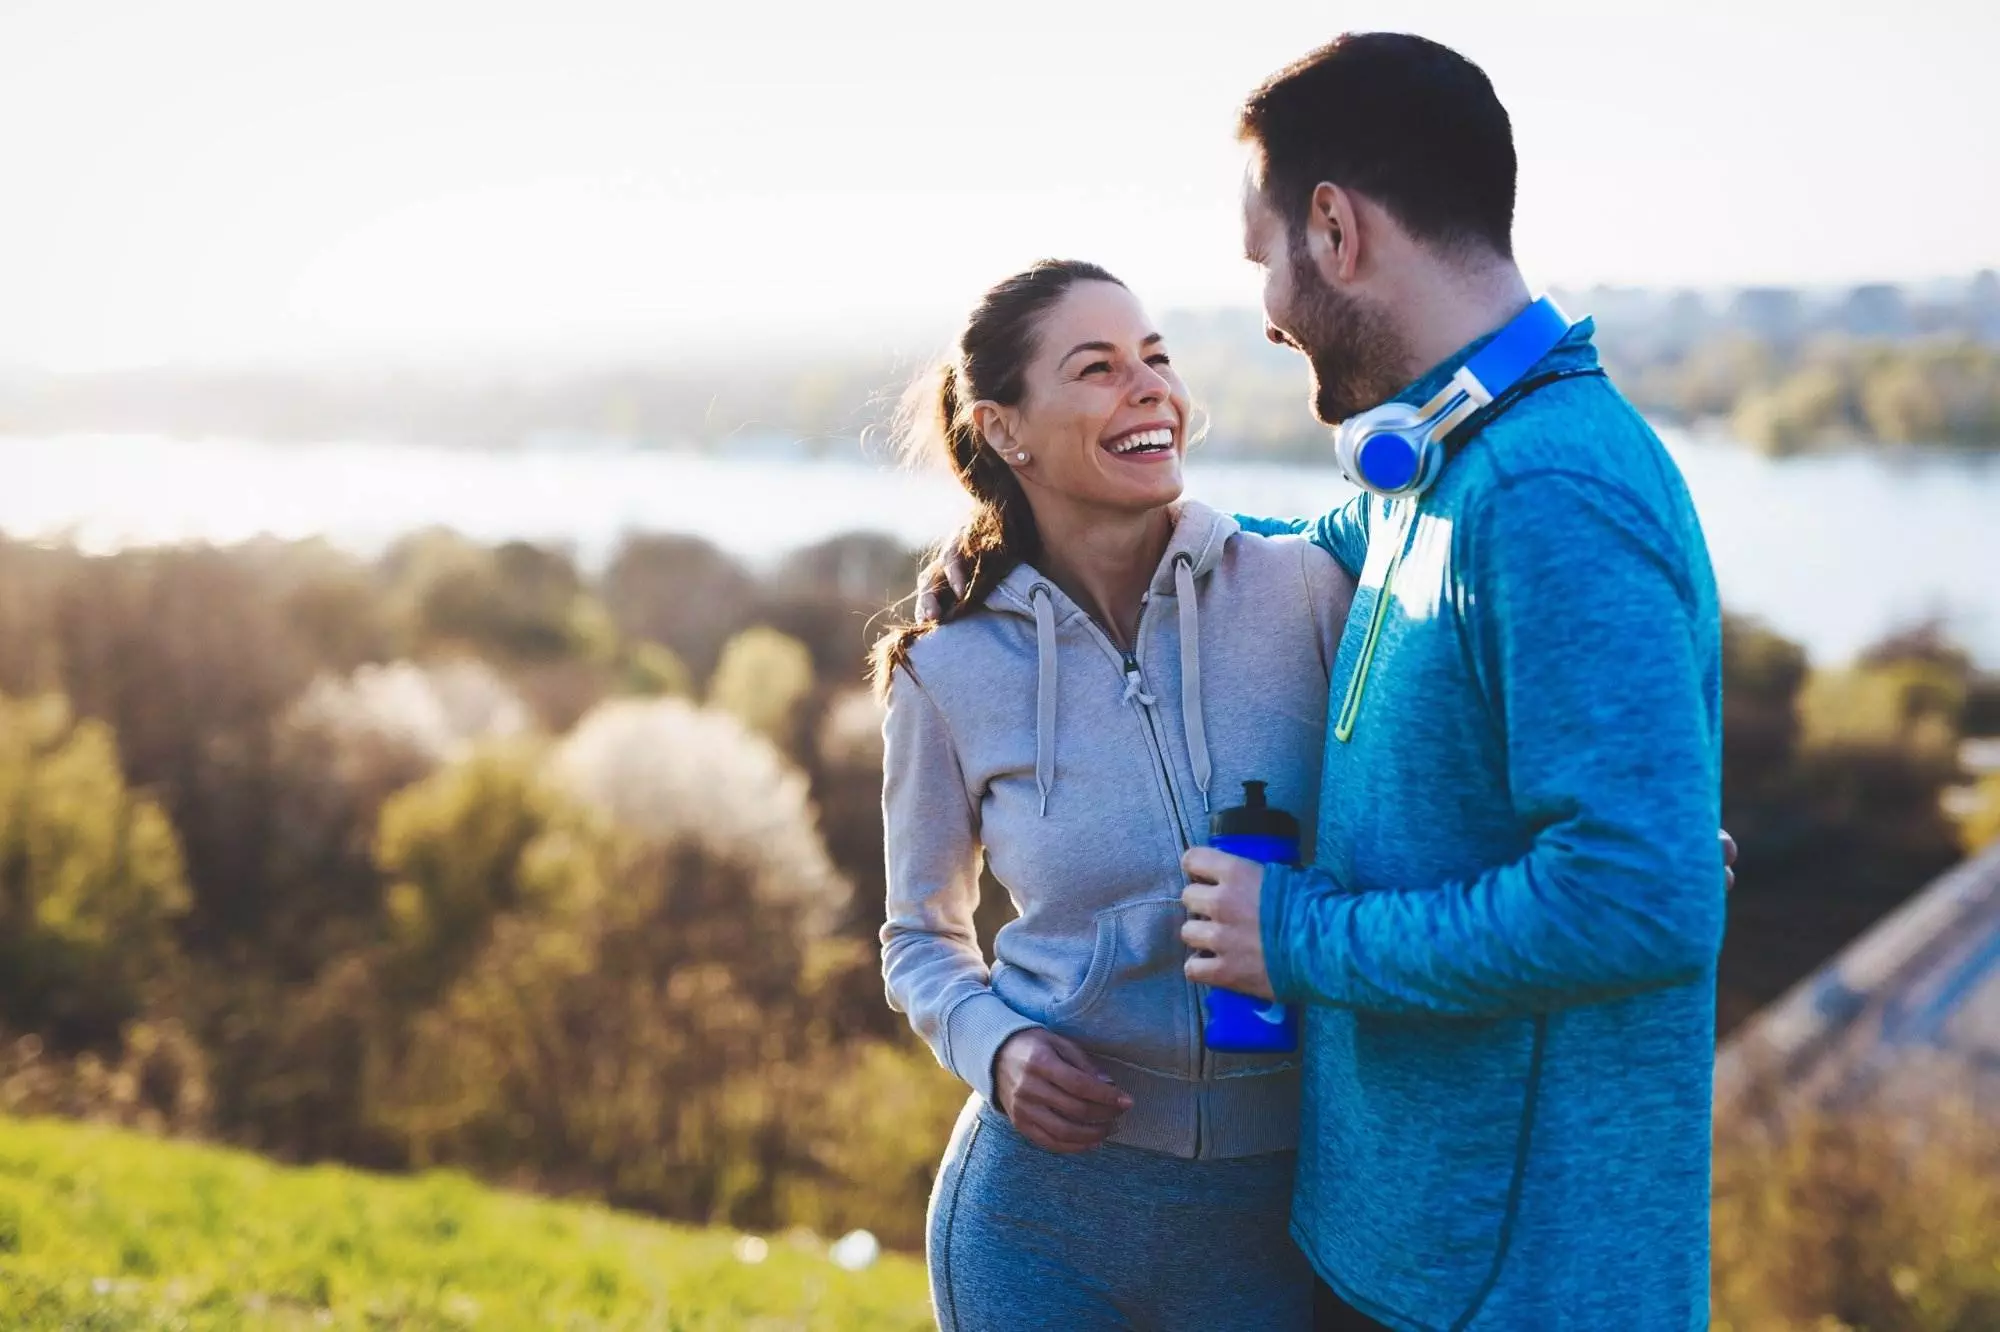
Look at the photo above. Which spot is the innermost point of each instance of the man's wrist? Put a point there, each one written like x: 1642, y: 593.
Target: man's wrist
x: 1273, y: 908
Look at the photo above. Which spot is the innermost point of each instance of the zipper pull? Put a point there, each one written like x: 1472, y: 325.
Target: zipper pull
x: 1135, y: 684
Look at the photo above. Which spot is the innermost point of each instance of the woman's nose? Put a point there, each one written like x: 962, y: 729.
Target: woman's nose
x: 1150, y: 387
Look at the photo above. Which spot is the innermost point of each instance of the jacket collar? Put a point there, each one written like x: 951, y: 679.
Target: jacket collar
x: 1200, y: 533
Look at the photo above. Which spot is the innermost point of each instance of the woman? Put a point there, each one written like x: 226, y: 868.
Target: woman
x: 1120, y: 663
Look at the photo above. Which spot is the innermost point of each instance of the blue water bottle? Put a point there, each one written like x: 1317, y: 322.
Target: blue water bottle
x: 1238, y: 1023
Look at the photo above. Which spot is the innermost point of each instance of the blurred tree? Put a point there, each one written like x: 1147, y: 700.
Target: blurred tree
x: 639, y: 1011
x: 188, y: 654
x: 1799, y: 412
x: 666, y: 771
x: 1851, y: 1220
x: 29, y: 579
x: 1762, y: 675
x: 1980, y: 825
x: 90, y: 880
x: 1909, y: 705
x: 867, y: 1139
x: 1832, y: 785
x: 456, y: 850
x: 348, y: 745
x: 518, y: 602
x: 844, y: 764
x: 155, y: 1081
x: 522, y: 606
x: 1899, y: 405
x: 322, y: 1068
x: 1712, y: 378
x: 651, y: 670
x: 1982, y: 705
x: 860, y: 568
x: 762, y: 678
x: 679, y: 592
x: 328, y: 599
x: 831, y: 597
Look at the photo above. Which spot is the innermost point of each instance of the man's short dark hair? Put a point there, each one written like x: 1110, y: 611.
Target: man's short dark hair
x: 1413, y: 125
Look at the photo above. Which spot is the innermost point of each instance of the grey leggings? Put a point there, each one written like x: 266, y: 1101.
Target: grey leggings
x: 1115, y: 1238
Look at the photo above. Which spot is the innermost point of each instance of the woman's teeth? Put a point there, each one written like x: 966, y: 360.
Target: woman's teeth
x: 1146, y: 441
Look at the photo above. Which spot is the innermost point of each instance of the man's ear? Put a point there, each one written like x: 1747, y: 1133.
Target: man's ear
x: 1333, y: 234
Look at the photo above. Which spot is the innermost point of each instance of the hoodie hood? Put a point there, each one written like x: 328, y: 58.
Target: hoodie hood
x: 1199, y: 535
x: 1192, y: 553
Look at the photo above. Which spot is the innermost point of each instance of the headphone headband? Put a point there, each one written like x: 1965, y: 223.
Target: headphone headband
x: 1396, y: 449
x: 1517, y: 348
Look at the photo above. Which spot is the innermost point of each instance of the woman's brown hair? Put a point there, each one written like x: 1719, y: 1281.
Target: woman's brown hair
x: 988, y: 363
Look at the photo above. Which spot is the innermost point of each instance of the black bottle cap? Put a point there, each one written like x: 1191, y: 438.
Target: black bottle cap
x: 1253, y: 818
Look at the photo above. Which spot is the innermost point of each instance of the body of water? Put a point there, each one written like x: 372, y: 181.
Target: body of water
x: 1831, y: 551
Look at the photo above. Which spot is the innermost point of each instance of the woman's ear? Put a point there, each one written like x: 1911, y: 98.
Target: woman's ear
x: 995, y: 425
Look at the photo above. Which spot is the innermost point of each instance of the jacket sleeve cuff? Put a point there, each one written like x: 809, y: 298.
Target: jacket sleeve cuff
x: 1274, y: 906
x: 974, y: 1031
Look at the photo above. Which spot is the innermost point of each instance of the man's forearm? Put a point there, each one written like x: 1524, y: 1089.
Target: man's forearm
x: 1342, y: 533
x: 1529, y: 937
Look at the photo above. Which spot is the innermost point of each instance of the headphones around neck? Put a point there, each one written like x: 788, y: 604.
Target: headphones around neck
x: 1397, y: 450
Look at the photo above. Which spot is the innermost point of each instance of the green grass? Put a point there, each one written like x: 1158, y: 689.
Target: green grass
x: 104, y: 1231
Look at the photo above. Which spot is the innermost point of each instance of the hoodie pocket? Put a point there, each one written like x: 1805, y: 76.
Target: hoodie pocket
x: 1133, y: 1003
x: 1240, y: 1064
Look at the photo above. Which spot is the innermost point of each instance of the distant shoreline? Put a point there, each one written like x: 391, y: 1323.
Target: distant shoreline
x: 1307, y: 450
x: 1790, y: 538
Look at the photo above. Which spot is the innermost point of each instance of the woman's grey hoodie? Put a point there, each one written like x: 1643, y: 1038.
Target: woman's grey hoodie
x: 1022, y: 731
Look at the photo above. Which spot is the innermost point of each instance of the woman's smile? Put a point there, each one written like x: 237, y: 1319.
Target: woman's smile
x: 1150, y: 443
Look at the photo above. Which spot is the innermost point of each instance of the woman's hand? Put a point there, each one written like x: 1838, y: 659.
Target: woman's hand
x: 1051, y: 1091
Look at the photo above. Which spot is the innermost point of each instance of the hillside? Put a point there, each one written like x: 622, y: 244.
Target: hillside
x: 111, y: 1231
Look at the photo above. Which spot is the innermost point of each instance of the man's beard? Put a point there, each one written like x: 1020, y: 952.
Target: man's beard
x: 1358, y: 358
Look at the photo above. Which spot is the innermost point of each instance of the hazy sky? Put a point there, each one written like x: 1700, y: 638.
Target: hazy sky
x: 194, y: 179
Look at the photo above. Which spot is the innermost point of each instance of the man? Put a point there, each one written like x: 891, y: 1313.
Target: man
x: 1507, y: 948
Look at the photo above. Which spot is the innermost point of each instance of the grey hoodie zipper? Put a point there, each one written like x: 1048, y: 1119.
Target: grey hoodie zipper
x: 1137, y: 678
x: 1197, y: 1048
x: 1130, y: 665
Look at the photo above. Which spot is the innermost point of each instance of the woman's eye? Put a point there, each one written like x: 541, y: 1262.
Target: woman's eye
x: 1159, y: 358
x: 1096, y: 366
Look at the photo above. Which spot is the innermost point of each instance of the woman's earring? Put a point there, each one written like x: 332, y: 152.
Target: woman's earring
x: 1020, y: 457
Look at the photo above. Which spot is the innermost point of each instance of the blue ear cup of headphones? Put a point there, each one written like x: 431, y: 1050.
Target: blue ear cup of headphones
x: 1398, y: 449
x: 1389, y: 450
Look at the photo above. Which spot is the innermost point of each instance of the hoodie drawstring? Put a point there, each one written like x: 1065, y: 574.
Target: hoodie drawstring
x: 1191, y: 715
x: 1191, y: 719
x: 1045, y: 692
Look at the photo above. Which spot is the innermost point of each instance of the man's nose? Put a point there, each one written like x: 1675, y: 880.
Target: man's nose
x: 1272, y: 333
